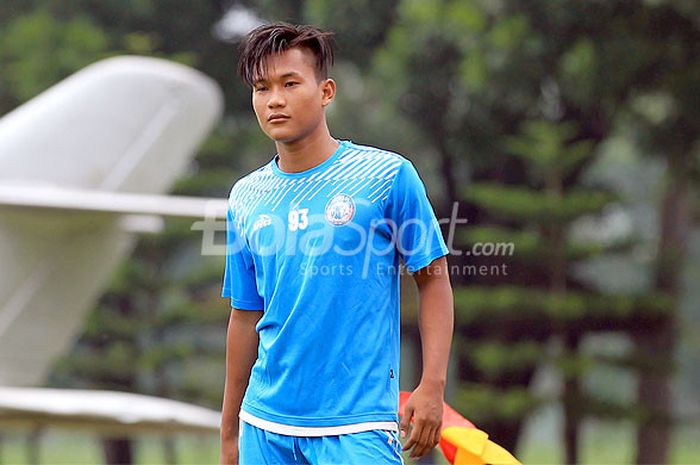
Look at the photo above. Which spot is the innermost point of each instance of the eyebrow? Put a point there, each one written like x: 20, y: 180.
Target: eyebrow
x: 285, y: 75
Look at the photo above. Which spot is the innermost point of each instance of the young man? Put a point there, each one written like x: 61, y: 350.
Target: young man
x: 312, y: 271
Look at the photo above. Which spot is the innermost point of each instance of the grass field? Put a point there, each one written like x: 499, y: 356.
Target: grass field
x: 608, y: 444
x: 603, y: 445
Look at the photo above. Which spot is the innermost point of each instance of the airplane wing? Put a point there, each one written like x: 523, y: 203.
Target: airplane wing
x: 83, y: 166
x: 27, y: 196
x: 104, y: 411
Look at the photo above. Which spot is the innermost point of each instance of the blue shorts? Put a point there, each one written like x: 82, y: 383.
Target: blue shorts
x: 257, y: 446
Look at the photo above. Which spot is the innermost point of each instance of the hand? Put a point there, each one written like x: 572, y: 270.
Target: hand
x: 425, y: 407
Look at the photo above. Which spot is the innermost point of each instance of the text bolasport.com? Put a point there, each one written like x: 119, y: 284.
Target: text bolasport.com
x: 365, y: 244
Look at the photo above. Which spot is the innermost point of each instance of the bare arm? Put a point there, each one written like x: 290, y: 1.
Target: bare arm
x: 436, y: 324
x: 436, y: 321
x: 241, y: 352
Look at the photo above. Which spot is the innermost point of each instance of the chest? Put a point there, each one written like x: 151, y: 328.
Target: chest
x: 317, y: 218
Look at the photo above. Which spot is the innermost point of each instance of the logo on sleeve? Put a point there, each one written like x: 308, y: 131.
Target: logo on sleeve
x: 262, y: 221
x: 340, y: 209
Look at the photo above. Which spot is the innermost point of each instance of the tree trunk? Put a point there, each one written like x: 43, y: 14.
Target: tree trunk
x: 656, y: 346
x: 169, y: 450
x: 117, y: 451
x: 571, y: 394
x: 33, y: 444
x: 571, y: 401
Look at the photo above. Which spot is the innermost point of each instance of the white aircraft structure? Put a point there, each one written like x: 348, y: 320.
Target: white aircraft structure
x: 84, y: 166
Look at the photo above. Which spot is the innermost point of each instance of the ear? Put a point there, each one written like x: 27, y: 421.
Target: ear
x: 327, y: 91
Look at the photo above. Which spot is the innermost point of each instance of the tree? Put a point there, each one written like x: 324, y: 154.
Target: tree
x: 462, y: 75
x: 500, y: 99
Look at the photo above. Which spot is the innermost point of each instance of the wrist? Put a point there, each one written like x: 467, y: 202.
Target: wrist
x: 433, y: 383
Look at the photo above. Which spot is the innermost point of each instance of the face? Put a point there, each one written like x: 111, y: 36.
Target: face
x: 289, y: 101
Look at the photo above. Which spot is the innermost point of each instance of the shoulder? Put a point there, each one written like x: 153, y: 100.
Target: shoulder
x: 246, y: 185
x: 397, y: 175
x: 361, y: 150
x: 386, y: 162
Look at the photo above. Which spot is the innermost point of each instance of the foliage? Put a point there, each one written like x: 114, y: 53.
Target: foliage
x: 503, y: 106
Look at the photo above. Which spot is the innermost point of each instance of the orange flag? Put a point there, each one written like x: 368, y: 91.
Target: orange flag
x: 462, y: 443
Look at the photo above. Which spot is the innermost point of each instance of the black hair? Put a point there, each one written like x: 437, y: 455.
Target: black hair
x: 278, y: 37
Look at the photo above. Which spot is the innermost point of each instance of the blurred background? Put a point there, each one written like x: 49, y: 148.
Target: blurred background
x: 564, y: 134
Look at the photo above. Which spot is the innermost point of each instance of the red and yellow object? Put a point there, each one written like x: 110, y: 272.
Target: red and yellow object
x: 462, y: 443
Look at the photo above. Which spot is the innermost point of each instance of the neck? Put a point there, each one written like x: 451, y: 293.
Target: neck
x: 307, y: 152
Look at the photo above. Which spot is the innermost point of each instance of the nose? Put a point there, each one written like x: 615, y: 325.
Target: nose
x: 276, y: 99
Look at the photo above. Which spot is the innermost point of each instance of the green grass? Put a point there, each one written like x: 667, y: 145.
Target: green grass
x: 603, y: 444
x: 82, y: 448
x: 608, y: 444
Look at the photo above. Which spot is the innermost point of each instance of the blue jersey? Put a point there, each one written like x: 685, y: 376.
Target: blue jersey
x: 319, y: 252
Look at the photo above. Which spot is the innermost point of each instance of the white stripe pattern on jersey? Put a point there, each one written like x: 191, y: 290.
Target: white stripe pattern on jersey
x: 358, y: 168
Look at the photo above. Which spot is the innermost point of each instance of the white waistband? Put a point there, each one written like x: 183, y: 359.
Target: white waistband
x: 315, y: 431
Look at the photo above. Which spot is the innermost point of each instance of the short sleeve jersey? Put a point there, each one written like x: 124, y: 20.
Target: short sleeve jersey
x: 319, y: 252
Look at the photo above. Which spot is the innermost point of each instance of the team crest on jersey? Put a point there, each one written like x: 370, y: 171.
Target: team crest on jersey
x: 340, y: 209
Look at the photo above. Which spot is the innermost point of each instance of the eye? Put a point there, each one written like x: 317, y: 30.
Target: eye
x: 290, y: 83
x: 260, y: 88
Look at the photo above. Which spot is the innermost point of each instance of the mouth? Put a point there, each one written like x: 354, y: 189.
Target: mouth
x: 277, y: 117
